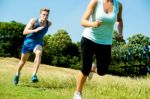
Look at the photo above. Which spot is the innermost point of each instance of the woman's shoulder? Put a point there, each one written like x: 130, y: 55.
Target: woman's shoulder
x: 120, y: 4
x: 95, y: 0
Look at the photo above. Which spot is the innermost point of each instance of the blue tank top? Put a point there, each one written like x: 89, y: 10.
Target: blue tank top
x: 36, y: 38
x: 103, y: 33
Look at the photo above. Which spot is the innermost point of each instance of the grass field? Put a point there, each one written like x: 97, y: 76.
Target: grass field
x: 59, y: 83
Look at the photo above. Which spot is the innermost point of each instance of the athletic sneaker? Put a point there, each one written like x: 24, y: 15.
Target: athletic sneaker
x: 16, y: 80
x: 34, y: 78
x: 77, y: 95
x: 90, y: 76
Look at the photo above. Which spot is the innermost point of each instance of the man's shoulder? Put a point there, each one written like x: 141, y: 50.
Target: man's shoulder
x: 33, y: 20
x: 49, y: 23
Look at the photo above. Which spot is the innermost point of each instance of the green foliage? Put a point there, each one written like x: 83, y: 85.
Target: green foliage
x: 129, y: 58
x: 11, y: 38
x: 59, y: 42
x: 59, y: 50
x: 139, y: 39
x: 132, y: 58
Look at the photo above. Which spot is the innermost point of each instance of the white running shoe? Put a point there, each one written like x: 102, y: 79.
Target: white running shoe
x: 90, y: 76
x: 77, y: 95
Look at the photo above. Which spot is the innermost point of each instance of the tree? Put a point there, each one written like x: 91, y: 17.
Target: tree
x: 59, y: 42
x: 133, y: 56
x: 139, y: 39
x: 59, y: 49
x: 11, y: 38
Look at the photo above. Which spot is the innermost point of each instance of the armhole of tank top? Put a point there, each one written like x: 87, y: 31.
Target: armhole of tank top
x: 34, y: 25
x: 47, y: 24
x: 117, y: 5
x: 36, y: 22
x: 99, y: 2
x: 96, y: 8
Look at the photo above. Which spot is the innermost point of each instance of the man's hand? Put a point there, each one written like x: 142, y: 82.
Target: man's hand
x: 39, y: 28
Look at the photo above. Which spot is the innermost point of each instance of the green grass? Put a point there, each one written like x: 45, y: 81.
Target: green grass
x: 59, y: 83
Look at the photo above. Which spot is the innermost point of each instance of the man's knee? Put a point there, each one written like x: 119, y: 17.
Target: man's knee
x: 38, y: 53
x: 22, y: 62
x: 38, y: 50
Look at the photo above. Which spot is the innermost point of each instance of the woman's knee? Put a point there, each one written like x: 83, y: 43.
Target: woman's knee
x: 101, y: 73
x: 85, y: 72
x: 102, y: 70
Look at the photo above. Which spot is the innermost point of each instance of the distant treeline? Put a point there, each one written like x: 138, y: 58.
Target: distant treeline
x: 131, y: 58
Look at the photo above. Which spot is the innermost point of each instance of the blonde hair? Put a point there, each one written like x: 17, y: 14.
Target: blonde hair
x: 45, y: 9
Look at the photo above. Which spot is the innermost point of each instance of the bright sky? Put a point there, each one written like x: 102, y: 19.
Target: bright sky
x: 67, y: 14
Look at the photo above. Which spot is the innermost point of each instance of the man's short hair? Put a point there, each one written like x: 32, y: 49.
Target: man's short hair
x: 45, y: 9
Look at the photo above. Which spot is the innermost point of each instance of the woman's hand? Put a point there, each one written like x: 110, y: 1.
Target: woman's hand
x: 119, y: 37
x: 97, y: 23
